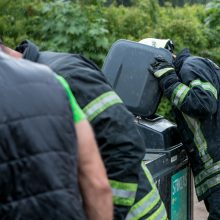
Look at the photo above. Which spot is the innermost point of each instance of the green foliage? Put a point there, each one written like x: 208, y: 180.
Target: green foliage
x: 164, y: 109
x: 131, y: 23
x: 12, y: 20
x: 77, y: 28
x: 185, y: 31
x: 213, y: 13
x: 89, y: 27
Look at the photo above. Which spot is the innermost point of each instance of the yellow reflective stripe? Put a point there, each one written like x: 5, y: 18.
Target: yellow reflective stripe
x: 160, y: 214
x: 100, y: 104
x: 147, y: 174
x: 206, y: 86
x: 179, y: 94
x: 204, y: 187
x: 210, y: 170
x: 147, y: 203
x: 123, y: 193
x: 122, y: 185
x: 199, y: 139
x: 161, y: 72
x: 142, y: 207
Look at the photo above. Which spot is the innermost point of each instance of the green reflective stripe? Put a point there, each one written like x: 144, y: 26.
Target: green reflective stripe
x: 199, y: 139
x: 123, y: 201
x: 142, y: 207
x: 206, y: 86
x: 161, y: 72
x: 212, y: 169
x: 160, y: 214
x: 179, y: 94
x: 125, y: 186
x: 100, y: 104
x: 77, y: 112
x: 207, y: 185
x: 147, y: 173
x: 145, y: 205
x: 123, y: 193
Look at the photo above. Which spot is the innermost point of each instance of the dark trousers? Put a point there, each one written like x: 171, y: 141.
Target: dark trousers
x: 212, y: 204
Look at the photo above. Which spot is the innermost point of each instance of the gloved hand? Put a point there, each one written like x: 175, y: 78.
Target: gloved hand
x: 166, y: 75
x: 161, y: 67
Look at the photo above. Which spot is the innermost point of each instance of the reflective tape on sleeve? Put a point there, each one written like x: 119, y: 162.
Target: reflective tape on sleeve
x: 142, y: 207
x: 199, y: 139
x: 207, y: 172
x: 206, y: 86
x: 147, y: 174
x: 160, y: 214
x: 208, y: 184
x: 148, y: 202
x: 123, y: 193
x: 179, y: 94
x: 100, y: 104
x: 161, y: 72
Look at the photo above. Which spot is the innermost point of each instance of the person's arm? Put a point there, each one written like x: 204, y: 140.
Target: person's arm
x: 195, y: 95
x: 92, y: 178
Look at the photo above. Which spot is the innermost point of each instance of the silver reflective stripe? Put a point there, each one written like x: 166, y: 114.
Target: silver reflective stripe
x: 206, y: 86
x: 207, y: 185
x: 144, y: 205
x: 160, y: 214
x: 161, y: 72
x: 148, y: 202
x: 100, y: 104
x: 123, y: 193
x: 214, y: 168
x: 199, y: 139
x: 147, y: 173
x: 179, y: 94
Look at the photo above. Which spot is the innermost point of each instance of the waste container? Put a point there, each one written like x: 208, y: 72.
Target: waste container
x: 168, y: 163
x: 126, y: 67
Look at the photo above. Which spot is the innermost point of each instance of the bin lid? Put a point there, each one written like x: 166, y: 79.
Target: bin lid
x: 126, y: 68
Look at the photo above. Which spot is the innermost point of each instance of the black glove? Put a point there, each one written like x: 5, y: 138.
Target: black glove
x: 161, y: 67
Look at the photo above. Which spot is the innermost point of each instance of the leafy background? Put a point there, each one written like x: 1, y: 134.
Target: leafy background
x: 90, y: 27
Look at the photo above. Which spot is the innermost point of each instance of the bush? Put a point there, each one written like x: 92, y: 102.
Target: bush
x: 88, y: 27
x: 75, y: 28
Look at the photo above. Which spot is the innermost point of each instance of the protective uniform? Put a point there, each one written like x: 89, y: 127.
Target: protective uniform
x: 194, y: 93
x: 37, y: 145
x: 120, y: 144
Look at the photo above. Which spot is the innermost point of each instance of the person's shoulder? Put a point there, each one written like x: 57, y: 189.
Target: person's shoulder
x: 194, y: 62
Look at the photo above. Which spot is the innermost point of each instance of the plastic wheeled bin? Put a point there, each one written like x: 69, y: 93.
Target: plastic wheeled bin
x: 126, y: 68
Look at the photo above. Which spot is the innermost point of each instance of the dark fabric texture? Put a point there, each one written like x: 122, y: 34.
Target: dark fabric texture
x: 180, y: 58
x: 37, y: 146
x: 120, y: 143
x: 201, y: 105
x: 212, y: 204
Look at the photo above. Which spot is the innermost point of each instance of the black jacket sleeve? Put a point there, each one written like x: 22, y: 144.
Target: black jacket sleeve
x: 195, y: 90
x: 118, y: 138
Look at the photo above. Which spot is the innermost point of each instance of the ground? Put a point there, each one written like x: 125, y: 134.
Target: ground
x: 200, y: 212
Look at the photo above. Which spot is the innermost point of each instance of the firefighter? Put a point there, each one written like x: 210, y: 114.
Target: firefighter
x: 119, y: 141
x: 41, y: 164
x: 192, y: 85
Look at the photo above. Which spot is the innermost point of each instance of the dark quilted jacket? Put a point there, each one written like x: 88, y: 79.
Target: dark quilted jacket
x: 37, y: 145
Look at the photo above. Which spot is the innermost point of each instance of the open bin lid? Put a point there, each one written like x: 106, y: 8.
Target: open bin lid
x: 126, y: 68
